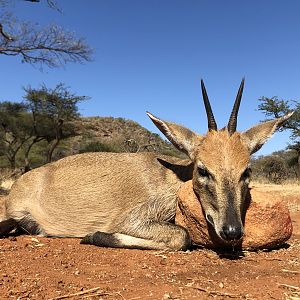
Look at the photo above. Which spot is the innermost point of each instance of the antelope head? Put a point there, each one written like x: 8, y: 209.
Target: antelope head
x: 221, y: 160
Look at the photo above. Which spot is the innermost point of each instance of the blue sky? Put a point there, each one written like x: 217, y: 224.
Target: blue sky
x: 151, y: 55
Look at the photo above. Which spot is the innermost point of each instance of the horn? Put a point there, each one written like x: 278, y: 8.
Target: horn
x: 233, y: 117
x: 212, y: 125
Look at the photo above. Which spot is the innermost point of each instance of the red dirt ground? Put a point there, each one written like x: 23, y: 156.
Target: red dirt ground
x: 43, y: 268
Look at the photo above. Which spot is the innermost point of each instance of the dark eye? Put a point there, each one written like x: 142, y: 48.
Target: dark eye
x: 203, y: 172
x: 246, y: 174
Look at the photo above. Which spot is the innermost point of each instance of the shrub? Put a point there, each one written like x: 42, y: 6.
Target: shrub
x: 98, y: 147
x: 272, y: 167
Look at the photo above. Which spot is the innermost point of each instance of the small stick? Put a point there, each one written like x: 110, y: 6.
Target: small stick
x: 76, y: 294
x: 103, y: 294
x: 118, y: 293
x: 289, y: 286
x: 96, y: 294
x: 290, y: 271
x: 215, y: 293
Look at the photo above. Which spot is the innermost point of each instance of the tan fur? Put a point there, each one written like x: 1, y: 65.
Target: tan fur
x: 85, y: 193
x: 222, y: 153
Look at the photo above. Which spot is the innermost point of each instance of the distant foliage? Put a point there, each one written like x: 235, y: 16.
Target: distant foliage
x: 276, y: 108
x: 98, y: 147
x: 276, y: 168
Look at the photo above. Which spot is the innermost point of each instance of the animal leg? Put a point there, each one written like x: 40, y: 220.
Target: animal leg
x: 120, y: 240
x: 156, y: 235
x: 7, y: 226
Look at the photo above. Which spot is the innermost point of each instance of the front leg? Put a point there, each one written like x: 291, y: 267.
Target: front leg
x: 155, y: 235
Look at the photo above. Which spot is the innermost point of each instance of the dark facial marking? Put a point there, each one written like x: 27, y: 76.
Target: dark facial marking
x: 232, y: 228
x: 247, y: 174
x: 231, y: 215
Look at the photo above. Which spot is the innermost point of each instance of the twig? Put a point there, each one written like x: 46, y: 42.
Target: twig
x: 96, y: 294
x: 274, y: 258
x: 294, y: 298
x: 290, y: 271
x: 118, y: 293
x: 103, y: 294
x: 216, y: 293
x: 289, y: 286
x: 77, y: 294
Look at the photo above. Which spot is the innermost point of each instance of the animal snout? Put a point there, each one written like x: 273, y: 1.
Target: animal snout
x: 231, y: 233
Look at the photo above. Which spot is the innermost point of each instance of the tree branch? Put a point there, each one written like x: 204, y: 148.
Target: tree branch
x: 51, y: 3
x: 51, y: 46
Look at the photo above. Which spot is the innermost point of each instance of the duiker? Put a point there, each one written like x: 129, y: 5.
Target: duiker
x: 129, y: 200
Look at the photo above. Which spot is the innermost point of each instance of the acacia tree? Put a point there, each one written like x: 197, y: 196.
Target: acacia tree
x: 52, y: 112
x: 46, y: 114
x: 275, y: 107
x: 51, y: 46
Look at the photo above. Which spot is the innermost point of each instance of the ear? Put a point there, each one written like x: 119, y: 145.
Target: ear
x: 182, y: 138
x: 256, y: 136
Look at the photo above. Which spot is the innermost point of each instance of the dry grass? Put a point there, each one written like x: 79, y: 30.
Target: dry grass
x: 289, y: 192
x: 285, y: 189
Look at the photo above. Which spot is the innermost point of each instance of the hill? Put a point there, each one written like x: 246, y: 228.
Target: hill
x: 95, y: 134
x: 116, y: 135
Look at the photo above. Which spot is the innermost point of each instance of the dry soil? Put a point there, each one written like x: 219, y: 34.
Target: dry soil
x: 44, y: 268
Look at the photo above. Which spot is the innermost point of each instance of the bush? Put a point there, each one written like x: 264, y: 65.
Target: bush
x: 98, y: 147
x: 272, y: 167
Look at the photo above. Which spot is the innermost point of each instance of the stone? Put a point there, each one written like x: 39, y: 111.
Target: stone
x: 267, y: 222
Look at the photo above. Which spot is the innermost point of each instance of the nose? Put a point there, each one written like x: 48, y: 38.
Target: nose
x: 230, y: 233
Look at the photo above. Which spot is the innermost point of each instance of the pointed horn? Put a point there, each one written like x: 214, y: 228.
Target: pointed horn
x: 212, y: 125
x: 233, y: 117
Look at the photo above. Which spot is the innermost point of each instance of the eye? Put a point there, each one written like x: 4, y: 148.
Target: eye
x: 203, y: 172
x: 246, y: 175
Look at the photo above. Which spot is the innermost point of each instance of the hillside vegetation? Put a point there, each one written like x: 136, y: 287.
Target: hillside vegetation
x: 94, y: 134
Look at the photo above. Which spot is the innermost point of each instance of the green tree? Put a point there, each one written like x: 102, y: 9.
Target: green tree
x: 15, y: 129
x: 275, y: 107
x: 52, y: 46
x: 53, y: 111
x: 45, y: 115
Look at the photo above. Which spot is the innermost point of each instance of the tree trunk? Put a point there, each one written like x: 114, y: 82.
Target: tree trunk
x: 58, y: 134
x: 12, y: 161
x: 26, y: 158
x: 51, y: 150
x: 26, y: 154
